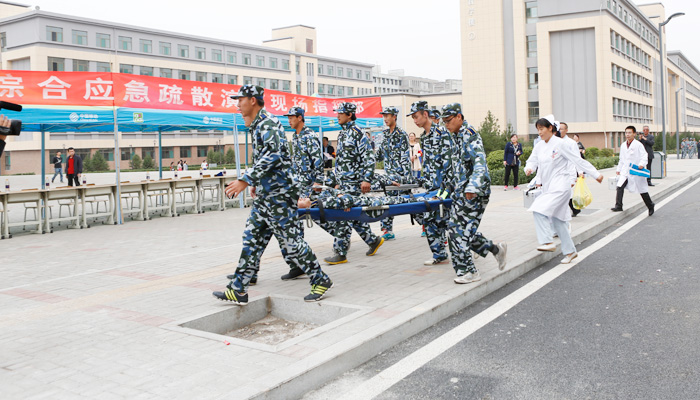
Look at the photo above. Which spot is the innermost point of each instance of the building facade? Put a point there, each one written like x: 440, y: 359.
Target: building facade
x: 594, y: 64
x: 396, y: 81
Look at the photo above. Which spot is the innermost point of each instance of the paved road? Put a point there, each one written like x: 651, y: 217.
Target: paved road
x: 621, y: 324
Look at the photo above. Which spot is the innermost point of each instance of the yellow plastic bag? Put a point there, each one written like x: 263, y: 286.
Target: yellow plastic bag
x: 582, y: 195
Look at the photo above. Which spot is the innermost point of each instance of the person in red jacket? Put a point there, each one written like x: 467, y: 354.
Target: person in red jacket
x: 74, y: 167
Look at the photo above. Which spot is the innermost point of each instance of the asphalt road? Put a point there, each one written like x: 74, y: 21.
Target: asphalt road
x: 624, y: 323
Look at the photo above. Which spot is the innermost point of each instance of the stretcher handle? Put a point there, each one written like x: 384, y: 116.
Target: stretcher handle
x: 375, y: 208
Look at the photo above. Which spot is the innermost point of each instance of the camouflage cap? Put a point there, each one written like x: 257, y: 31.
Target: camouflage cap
x: 295, y: 112
x: 391, y: 110
x: 418, y: 106
x: 346, y: 108
x: 452, y: 109
x: 435, y: 113
x: 249, y: 91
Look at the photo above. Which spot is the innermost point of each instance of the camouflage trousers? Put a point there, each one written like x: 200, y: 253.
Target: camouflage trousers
x: 275, y: 216
x: 435, y: 231
x: 342, y: 231
x: 464, y: 236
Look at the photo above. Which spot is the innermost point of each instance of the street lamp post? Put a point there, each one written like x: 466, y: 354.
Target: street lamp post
x: 678, y: 139
x: 663, y: 75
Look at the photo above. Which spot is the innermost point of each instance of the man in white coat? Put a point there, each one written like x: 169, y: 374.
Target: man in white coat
x: 632, y: 152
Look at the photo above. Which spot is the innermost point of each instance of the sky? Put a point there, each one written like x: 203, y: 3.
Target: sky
x: 420, y: 37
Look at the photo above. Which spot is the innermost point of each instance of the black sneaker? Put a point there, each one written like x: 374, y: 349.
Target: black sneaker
x: 293, y: 273
x: 336, y: 259
x: 230, y: 295
x: 375, y: 246
x: 615, y: 209
x: 253, y: 280
x: 651, y: 210
x: 317, y: 291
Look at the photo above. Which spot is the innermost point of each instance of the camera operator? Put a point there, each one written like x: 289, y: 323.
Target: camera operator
x: 4, y: 130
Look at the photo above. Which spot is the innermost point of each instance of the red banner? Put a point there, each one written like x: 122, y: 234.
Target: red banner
x: 139, y: 91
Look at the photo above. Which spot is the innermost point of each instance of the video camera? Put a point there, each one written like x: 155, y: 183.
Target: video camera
x: 15, y: 124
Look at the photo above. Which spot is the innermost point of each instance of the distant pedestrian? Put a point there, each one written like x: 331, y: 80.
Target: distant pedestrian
x: 632, y: 154
x: 204, y: 165
x: 511, y: 160
x: 416, y: 154
x: 185, y: 167
x: 698, y: 148
x: 328, y: 154
x: 74, y: 167
x: 57, y: 162
x: 684, y: 148
x: 172, y: 165
x: 647, y: 140
x: 581, y: 148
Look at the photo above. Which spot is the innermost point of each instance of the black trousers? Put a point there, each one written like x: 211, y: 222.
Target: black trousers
x: 621, y: 192
x: 72, y: 177
x: 649, y: 168
x: 515, y: 170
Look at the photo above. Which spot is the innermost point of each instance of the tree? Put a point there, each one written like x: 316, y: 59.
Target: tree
x: 214, y: 157
x: 147, y: 162
x: 230, y: 156
x: 491, y: 134
x: 99, y: 163
x: 135, y: 162
x: 87, y: 163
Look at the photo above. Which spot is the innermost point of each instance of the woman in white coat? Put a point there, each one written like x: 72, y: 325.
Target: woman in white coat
x: 552, y: 158
x: 632, y: 152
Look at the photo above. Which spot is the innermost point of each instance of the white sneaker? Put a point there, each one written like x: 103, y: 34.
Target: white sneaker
x: 475, y: 255
x: 569, y: 258
x: 547, y: 247
x: 433, y: 261
x: 501, y: 255
x: 468, y: 278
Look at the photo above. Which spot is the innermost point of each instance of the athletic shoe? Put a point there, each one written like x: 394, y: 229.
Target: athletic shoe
x: 336, y: 259
x: 547, y: 247
x: 388, y: 235
x: 575, y: 212
x: 475, y: 255
x: 317, y: 291
x: 615, y: 209
x: 505, y: 188
x: 517, y: 188
x: 434, y: 261
x: 469, y: 277
x: 230, y: 295
x: 293, y: 273
x: 569, y: 258
x: 501, y: 255
x: 253, y: 280
x: 374, y: 247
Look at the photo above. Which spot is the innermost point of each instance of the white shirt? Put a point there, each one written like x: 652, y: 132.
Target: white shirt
x: 204, y: 165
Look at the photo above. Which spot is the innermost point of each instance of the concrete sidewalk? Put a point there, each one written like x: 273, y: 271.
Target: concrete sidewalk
x: 88, y: 313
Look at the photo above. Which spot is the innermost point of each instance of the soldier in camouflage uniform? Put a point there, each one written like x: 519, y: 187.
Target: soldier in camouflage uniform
x: 438, y: 160
x: 435, y: 116
x: 275, y: 198
x: 353, y: 173
x: 684, y: 148
x: 469, y: 200
x: 395, y: 152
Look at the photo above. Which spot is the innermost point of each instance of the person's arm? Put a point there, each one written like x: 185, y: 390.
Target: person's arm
x: 366, y: 156
x: 270, y: 154
x: 581, y: 165
x: 532, y: 162
x: 405, y: 151
x: 478, y: 181
x: 315, y: 159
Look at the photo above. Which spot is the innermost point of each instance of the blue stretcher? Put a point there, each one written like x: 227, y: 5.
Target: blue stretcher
x: 424, y: 203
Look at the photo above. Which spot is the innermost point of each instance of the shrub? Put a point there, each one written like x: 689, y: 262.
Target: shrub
x: 491, y: 134
x: 230, y: 156
x: 495, y: 160
x: 592, y: 152
x: 87, y: 163
x: 498, y: 177
x: 527, y: 151
x: 98, y: 162
x: 135, y: 162
x: 604, y: 162
x: 147, y: 162
x: 215, y: 157
x: 607, y: 152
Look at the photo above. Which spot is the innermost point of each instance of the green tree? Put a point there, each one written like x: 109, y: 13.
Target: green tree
x: 147, y: 162
x: 135, y: 162
x: 213, y: 156
x: 99, y: 163
x: 87, y: 163
x: 491, y: 134
x: 230, y: 156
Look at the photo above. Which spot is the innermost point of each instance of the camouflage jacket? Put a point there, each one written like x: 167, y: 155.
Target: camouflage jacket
x: 439, y: 153
x: 307, y: 158
x: 474, y: 172
x: 272, y: 163
x: 354, y: 161
x: 395, y: 152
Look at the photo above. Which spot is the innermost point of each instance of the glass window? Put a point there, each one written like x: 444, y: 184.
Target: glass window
x: 126, y: 68
x: 185, y: 152
x: 350, y: 91
x: 108, y: 154
x: 81, y: 65
x: 146, y: 71
x: 200, y: 53
x: 126, y: 154
x: 168, y: 152
x: 320, y: 69
x: 54, y: 34
x: 80, y: 38
x: 146, y: 46
x: 286, y: 86
x: 349, y: 75
x: 533, y: 110
x: 298, y: 67
x: 200, y: 76
x: 8, y: 163
x: 231, y: 57
x: 124, y: 43
x: 532, y: 46
x: 247, y: 80
x: 246, y: 59
x: 183, y: 50
x: 103, y: 67
x: 298, y: 87
x: 260, y: 61
x: 274, y: 84
x: 285, y: 65
x: 321, y: 88
x: 310, y: 88
x: 359, y: 74
x: 531, y: 12
x: 202, y: 151
x: 217, y: 78
x: 340, y: 71
x: 233, y: 79
x: 148, y: 151
x: 215, y: 55
x: 273, y: 62
x: 533, y: 78
x: 260, y: 82
x: 184, y: 75
x: 330, y: 70
x: 104, y: 40
x: 341, y: 91
x: 164, y: 48
x: 331, y: 89
x: 57, y: 64
x: 166, y: 73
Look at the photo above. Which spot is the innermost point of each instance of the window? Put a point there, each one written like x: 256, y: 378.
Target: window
x: 104, y: 40
x: 57, y: 64
x: 260, y: 61
x: 274, y: 84
x: 286, y: 86
x: 298, y: 87
x: 217, y: 78
x: 126, y: 154
x: 247, y: 80
x: 260, y: 82
x: 124, y: 43
x: 321, y: 88
x: 200, y: 53
x: 533, y: 110
x: 531, y: 12
x: 533, y: 78
x: 80, y: 38
x: 145, y: 46
x: 184, y: 75
x: 167, y: 152
x: 81, y: 65
x: 320, y: 69
x: 202, y: 151
x: 341, y: 91
x: 330, y: 70
x: 359, y: 75
x: 200, y: 76
x: 108, y: 154
x: 3, y: 40
x: 166, y: 73
x: 146, y: 71
x: 309, y: 88
x: 350, y: 91
x: 215, y: 55
x: 246, y: 59
x: 54, y: 34
x: 231, y: 57
x: 183, y: 50
x: 233, y: 79
x: 285, y: 65
x: 298, y: 67
x: 126, y: 69
x: 349, y: 75
x: 185, y: 152
x: 331, y: 89
x: 340, y: 71
x: 148, y: 151
x: 104, y: 67
x: 273, y: 62
x: 309, y: 69
x: 532, y: 46
x: 164, y: 48
x: 8, y: 163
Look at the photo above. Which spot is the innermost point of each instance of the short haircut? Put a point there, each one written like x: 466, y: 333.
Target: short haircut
x: 260, y: 100
x: 632, y: 127
x: 576, y: 135
x: 563, y: 123
x: 645, y: 126
x: 514, y: 134
x: 544, y: 122
x: 325, y: 138
x: 70, y: 148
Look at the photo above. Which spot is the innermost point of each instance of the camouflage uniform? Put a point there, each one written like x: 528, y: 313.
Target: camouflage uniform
x: 438, y: 160
x: 274, y: 209
x: 395, y: 152
x: 692, y: 148
x: 684, y: 148
x: 354, y: 164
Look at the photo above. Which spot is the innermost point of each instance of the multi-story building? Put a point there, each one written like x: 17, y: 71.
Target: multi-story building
x: 32, y: 39
x: 594, y: 64
x: 395, y: 81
